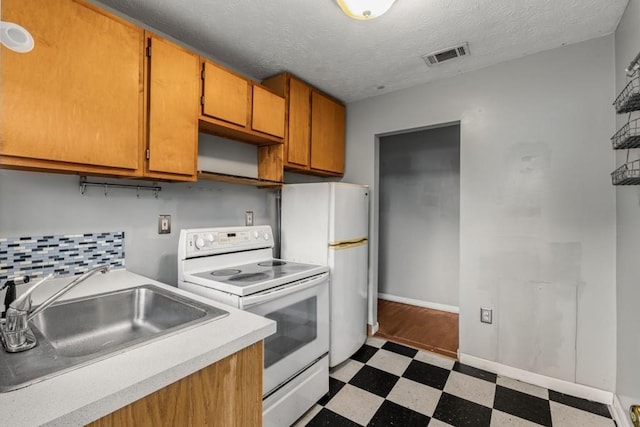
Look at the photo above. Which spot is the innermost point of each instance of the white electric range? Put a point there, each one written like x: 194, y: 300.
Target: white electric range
x: 235, y: 266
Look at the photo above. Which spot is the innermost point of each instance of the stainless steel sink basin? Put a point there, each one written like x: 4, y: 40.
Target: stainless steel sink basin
x: 77, y: 332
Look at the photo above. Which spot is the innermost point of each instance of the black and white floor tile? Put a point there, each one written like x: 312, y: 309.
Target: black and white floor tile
x: 387, y: 384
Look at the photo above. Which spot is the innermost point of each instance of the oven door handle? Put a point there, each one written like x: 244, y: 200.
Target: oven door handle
x: 283, y: 291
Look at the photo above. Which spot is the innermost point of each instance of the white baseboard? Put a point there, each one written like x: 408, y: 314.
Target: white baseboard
x: 561, y: 386
x: 620, y: 413
x: 373, y: 328
x: 420, y: 303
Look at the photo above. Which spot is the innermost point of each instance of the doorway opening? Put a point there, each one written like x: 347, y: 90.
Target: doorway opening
x: 419, y: 237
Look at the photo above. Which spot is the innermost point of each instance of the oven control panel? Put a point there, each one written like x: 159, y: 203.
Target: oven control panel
x: 228, y: 239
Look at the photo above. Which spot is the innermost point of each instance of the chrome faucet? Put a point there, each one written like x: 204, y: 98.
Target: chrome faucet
x: 15, y: 332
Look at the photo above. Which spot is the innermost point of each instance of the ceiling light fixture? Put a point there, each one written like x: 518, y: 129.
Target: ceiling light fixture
x: 365, y: 9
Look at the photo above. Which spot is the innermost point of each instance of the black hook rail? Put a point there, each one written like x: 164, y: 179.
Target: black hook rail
x: 84, y: 184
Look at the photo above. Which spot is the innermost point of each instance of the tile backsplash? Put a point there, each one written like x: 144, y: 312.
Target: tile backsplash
x: 64, y: 255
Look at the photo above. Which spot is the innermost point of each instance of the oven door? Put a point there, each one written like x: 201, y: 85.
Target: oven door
x: 301, y: 310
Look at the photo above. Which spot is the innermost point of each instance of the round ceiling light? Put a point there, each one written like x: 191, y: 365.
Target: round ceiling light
x: 364, y: 9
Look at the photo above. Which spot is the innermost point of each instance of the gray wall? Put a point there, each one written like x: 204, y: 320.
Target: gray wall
x: 537, y: 209
x: 41, y: 203
x: 628, y: 220
x: 419, y: 250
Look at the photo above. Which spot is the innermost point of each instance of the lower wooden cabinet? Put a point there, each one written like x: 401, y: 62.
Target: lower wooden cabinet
x: 227, y: 393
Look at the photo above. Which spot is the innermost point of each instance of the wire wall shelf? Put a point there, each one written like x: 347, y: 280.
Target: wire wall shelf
x: 629, y: 98
x: 627, y: 174
x: 628, y: 136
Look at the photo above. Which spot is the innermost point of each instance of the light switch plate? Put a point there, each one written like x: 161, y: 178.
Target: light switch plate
x: 164, y: 224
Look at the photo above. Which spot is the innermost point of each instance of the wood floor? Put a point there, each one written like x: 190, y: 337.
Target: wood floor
x: 419, y: 327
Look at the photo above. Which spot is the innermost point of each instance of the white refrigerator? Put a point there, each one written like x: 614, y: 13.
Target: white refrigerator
x: 328, y: 223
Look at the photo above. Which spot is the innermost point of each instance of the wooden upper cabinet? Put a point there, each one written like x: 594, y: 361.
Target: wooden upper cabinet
x: 75, y: 102
x: 267, y: 114
x: 237, y: 108
x: 327, y: 134
x: 226, y: 95
x: 173, y: 95
x: 299, y: 140
x: 315, y: 132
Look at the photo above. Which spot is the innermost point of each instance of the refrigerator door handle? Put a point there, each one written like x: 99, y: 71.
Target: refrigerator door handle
x: 346, y: 244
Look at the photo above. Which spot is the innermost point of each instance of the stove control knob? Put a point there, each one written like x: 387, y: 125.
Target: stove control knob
x: 211, y: 237
x: 256, y: 234
x: 199, y: 243
x: 266, y: 236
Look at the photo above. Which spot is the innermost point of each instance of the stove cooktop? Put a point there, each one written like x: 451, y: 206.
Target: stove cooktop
x: 255, y: 277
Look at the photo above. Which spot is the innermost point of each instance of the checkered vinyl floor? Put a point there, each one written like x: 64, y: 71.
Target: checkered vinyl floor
x: 387, y: 384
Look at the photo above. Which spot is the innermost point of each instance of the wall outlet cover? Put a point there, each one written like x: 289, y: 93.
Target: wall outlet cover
x: 486, y: 315
x: 248, y: 218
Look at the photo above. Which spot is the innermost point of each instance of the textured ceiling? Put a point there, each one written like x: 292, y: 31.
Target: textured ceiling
x: 351, y: 59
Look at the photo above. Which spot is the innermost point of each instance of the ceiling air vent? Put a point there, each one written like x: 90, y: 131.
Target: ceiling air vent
x: 446, y: 54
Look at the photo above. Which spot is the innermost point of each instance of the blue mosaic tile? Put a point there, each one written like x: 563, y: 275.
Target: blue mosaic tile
x: 64, y: 255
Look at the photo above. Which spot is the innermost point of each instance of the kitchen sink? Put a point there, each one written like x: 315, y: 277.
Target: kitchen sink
x: 77, y: 332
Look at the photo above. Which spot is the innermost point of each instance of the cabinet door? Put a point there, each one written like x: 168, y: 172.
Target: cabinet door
x: 227, y: 393
x: 267, y: 112
x: 298, y: 143
x: 173, y: 109
x: 226, y: 95
x: 76, y: 98
x: 327, y: 134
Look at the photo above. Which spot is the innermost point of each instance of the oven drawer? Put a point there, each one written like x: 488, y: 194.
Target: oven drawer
x: 290, y: 402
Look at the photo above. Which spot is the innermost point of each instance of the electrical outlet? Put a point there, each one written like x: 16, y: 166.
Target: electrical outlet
x: 248, y: 218
x: 486, y: 315
x: 164, y: 224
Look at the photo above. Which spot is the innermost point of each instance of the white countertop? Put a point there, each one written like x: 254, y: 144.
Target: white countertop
x: 90, y: 392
